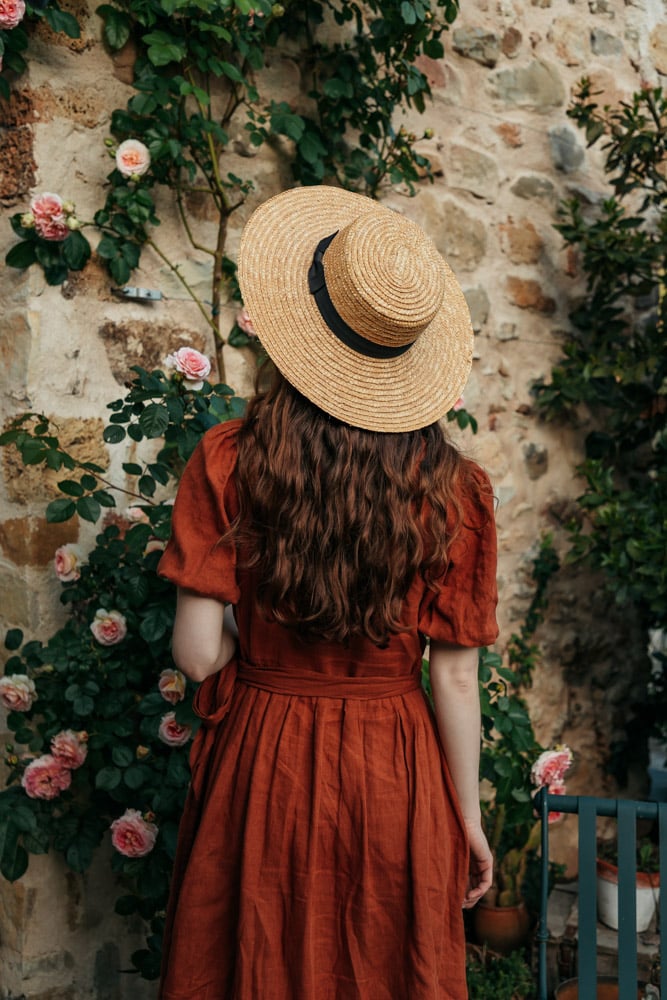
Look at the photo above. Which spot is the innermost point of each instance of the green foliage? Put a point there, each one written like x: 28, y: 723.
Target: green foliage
x: 523, y: 653
x: 195, y: 75
x: 14, y: 41
x: 615, y: 364
x: 110, y: 692
x: 499, y: 977
x: 56, y: 258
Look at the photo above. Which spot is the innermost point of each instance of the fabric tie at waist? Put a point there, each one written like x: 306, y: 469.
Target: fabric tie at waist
x: 308, y: 684
x: 213, y: 698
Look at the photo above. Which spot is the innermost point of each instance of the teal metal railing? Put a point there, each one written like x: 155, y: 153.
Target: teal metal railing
x: 627, y: 813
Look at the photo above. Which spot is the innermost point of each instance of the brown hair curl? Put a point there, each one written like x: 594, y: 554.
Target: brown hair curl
x: 337, y: 520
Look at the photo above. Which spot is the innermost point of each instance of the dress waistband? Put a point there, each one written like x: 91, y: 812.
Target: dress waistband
x: 307, y: 683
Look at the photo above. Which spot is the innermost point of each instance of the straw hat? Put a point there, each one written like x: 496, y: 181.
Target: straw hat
x: 370, y: 325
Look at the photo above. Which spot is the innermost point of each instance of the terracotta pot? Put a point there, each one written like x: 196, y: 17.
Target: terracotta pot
x: 648, y: 894
x: 607, y: 990
x: 502, y: 928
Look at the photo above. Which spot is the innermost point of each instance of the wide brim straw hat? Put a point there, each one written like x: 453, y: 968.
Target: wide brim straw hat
x: 402, y: 348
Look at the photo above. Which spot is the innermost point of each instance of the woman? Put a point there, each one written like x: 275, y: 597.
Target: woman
x: 332, y: 832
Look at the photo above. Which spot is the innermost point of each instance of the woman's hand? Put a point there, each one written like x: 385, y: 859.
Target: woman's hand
x: 480, y: 872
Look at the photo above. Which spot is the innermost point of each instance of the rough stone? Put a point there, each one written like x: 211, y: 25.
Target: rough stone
x: 280, y: 78
x: 541, y: 3
x: 603, y: 43
x: 568, y: 40
x: 537, y: 86
x: 602, y: 7
x: 80, y: 436
x: 472, y: 171
x: 507, y: 331
x: 17, y: 162
x: 510, y: 133
x: 658, y: 47
x: 533, y: 186
x: 511, y: 43
x: 536, y: 460
x: 15, y: 343
x: 478, y: 44
x: 145, y: 343
x: 459, y: 236
x: 85, y: 106
x: 479, y: 305
x: 123, y: 62
x: 526, y: 293
x: 521, y: 241
x: 566, y: 152
x: 80, y: 10
x: 31, y: 541
x: 433, y: 70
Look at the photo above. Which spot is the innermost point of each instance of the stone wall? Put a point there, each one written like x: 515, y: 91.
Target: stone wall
x: 503, y: 153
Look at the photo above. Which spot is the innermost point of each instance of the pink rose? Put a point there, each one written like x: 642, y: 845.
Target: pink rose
x: 17, y: 692
x: 172, y: 685
x: 244, y: 322
x: 173, y: 733
x: 70, y: 748
x: 108, y: 627
x: 550, y: 766
x: 49, y: 215
x: 66, y: 562
x: 193, y: 365
x: 46, y: 777
x: 11, y: 13
x: 557, y: 788
x: 132, y: 835
x: 132, y: 158
x: 459, y: 404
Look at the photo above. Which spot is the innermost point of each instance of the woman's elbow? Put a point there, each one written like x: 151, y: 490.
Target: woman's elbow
x: 195, y: 668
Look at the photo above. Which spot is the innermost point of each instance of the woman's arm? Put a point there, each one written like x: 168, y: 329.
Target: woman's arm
x: 455, y: 688
x: 200, y: 644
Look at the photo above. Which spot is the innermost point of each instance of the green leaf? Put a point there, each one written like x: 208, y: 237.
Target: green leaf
x: 108, y: 778
x: 104, y: 498
x: 408, y: 13
x: 311, y: 147
x: 60, y: 510
x: 55, y: 274
x: 113, y: 434
x: 22, y: 255
x: 88, y: 508
x: 76, y: 251
x: 132, y: 468
x: 122, y: 755
x: 135, y: 776
x: 125, y: 906
x: 117, y: 26
x: 13, y: 639
x: 154, y: 420
x: 60, y: 20
x: 233, y: 72
x: 79, y: 856
x: 70, y: 488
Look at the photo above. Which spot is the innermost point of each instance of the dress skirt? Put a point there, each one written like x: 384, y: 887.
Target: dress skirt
x: 321, y: 855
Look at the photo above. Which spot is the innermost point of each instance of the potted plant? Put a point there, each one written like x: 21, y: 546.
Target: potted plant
x: 512, y: 764
x: 647, y: 882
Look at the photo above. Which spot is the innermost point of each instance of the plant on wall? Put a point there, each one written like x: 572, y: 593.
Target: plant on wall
x: 196, y: 78
x: 615, y: 362
x: 15, y: 15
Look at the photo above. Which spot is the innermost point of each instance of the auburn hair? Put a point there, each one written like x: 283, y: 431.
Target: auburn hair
x: 337, y: 520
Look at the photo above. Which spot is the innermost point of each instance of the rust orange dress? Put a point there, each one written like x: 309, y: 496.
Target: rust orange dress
x: 321, y: 852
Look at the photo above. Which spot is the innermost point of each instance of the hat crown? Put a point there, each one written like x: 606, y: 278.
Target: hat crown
x: 385, y: 278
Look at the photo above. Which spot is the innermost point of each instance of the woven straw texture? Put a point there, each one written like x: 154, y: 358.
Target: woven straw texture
x: 386, y: 280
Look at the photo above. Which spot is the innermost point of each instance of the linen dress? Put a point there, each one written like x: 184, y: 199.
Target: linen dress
x: 321, y: 852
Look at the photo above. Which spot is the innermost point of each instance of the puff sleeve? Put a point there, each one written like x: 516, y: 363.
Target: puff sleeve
x: 195, y: 558
x: 463, y: 610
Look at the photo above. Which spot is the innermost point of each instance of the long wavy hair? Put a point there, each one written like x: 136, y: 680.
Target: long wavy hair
x: 337, y: 520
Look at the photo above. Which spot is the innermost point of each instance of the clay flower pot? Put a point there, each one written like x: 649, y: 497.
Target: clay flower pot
x: 607, y: 989
x: 502, y: 928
